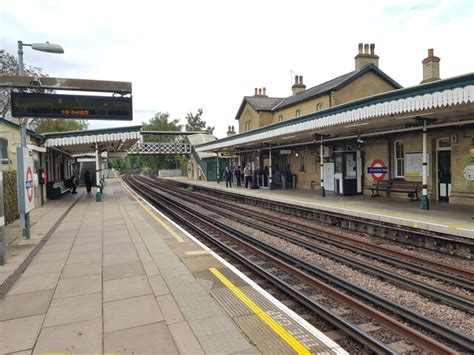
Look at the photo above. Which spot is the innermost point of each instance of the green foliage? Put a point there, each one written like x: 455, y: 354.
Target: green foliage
x: 190, y: 188
x: 10, y: 199
x: 49, y: 126
x: 194, y: 122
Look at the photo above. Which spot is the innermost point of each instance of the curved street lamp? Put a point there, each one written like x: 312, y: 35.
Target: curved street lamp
x: 42, y: 47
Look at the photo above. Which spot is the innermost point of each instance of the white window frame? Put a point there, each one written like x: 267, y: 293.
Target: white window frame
x: 4, y: 159
x: 280, y: 118
x: 298, y: 113
x: 319, y: 106
x: 397, y: 159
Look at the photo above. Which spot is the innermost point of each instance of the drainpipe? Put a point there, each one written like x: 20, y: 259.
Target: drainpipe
x: 270, y: 168
x: 98, y: 193
x: 322, y: 192
x: 425, y: 203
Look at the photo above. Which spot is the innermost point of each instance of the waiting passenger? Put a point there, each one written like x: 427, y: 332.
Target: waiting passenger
x: 247, y: 175
x: 237, y: 174
x: 88, y: 181
x: 228, y: 177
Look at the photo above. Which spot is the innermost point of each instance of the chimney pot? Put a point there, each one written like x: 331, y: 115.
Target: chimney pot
x: 301, y: 79
x: 256, y: 92
x: 264, y: 91
x: 430, y: 53
x: 259, y: 92
x: 361, y: 45
x: 372, y: 48
x: 366, y: 48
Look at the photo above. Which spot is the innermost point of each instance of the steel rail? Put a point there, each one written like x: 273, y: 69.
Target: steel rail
x: 431, y: 344
x: 436, y: 327
x: 408, y: 282
x: 456, y: 275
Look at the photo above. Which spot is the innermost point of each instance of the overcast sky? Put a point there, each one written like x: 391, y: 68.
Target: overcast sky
x: 185, y: 55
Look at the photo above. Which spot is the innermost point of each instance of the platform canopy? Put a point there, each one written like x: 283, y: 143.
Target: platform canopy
x: 447, y: 103
x: 119, y: 139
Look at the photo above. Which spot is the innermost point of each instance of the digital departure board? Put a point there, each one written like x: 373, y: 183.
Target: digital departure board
x: 71, y: 106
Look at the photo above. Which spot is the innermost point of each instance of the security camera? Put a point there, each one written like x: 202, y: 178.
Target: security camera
x: 36, y: 82
x: 360, y: 141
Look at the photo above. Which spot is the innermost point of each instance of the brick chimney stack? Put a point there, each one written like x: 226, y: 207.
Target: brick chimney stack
x: 230, y: 131
x: 430, y: 67
x: 364, y: 57
x: 260, y: 92
x: 298, y: 86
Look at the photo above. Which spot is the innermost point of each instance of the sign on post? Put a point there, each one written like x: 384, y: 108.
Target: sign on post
x: 26, y: 187
x: 57, y: 106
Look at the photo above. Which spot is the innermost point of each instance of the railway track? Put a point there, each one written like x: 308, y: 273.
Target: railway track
x: 304, y: 276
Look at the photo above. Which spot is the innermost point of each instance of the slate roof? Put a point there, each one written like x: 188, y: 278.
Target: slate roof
x: 269, y: 104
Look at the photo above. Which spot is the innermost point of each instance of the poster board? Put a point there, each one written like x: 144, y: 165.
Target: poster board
x: 414, y: 164
x: 328, y: 170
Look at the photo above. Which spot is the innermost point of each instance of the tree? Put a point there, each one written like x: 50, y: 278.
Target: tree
x: 9, y: 66
x: 194, y: 122
x: 50, y: 125
x: 160, y: 122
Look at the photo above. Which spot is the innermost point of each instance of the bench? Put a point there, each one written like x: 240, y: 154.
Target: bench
x: 410, y: 187
x: 55, y: 189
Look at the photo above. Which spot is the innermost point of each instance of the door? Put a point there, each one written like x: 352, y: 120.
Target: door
x: 444, y: 175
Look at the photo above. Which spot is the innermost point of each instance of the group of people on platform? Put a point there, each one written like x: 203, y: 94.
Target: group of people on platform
x: 248, y: 176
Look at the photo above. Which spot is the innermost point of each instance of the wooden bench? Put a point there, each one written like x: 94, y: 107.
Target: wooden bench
x: 55, y: 189
x: 410, y: 187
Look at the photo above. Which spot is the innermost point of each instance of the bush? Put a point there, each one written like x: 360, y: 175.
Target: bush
x: 10, y: 198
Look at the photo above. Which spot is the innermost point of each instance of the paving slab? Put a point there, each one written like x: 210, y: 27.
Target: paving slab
x: 126, y: 287
x: 20, y: 334
x: 24, y: 305
x: 131, y: 312
x: 74, y: 309
x: 185, y: 339
x: 35, y: 283
x: 76, y: 286
x: 147, y: 339
x: 75, y: 338
x: 82, y: 269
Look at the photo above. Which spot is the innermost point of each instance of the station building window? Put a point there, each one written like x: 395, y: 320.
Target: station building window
x: 3, y: 151
x: 302, y: 163
x: 399, y: 159
x: 280, y: 118
x: 319, y: 106
x: 298, y: 113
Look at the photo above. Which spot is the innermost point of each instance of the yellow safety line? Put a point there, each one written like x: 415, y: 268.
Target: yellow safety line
x: 277, y: 328
x: 159, y: 220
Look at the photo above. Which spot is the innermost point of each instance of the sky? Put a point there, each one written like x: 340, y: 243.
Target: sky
x: 183, y: 55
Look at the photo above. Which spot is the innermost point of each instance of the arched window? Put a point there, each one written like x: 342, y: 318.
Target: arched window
x: 3, y: 151
x: 319, y: 106
x: 280, y: 118
x: 298, y: 113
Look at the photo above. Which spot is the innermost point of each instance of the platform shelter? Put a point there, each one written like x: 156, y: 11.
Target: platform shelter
x: 419, y: 138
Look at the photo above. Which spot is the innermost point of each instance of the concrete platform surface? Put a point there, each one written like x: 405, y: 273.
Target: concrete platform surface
x: 117, y: 277
x: 442, y: 217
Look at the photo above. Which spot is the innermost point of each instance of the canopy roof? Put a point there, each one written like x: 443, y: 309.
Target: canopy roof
x: 84, y: 142
x: 449, y: 101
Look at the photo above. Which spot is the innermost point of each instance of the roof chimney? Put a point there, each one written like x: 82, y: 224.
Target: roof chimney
x: 260, y: 92
x: 230, y: 131
x: 298, y: 86
x: 364, y: 58
x: 430, y: 67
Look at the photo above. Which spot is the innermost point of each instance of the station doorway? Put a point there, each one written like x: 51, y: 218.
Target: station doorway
x: 443, y: 158
x: 347, y: 176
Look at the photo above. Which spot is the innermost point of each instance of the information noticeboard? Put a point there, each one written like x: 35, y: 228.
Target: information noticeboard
x: 414, y: 164
x: 25, y: 178
x: 328, y: 170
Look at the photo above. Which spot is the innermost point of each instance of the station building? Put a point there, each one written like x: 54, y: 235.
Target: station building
x: 362, y: 133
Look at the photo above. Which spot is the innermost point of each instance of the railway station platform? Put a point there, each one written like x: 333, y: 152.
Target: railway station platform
x: 442, y: 217
x: 118, y: 277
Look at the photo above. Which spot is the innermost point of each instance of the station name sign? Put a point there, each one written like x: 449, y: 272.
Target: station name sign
x: 71, y: 106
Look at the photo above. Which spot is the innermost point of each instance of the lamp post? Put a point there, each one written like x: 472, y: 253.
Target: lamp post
x: 42, y: 47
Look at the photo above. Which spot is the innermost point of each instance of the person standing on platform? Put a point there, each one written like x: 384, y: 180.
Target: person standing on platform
x: 88, y: 181
x: 237, y: 173
x: 228, y: 177
x: 247, y: 175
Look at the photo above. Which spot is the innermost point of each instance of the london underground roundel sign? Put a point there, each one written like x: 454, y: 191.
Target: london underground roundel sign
x: 377, y: 170
x: 29, y: 184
